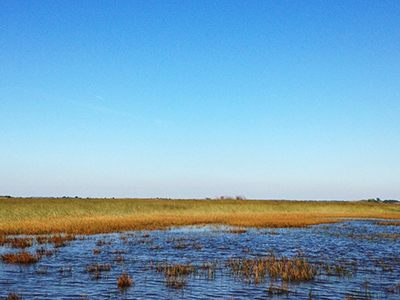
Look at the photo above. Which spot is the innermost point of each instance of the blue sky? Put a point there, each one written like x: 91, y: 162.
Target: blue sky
x: 194, y: 99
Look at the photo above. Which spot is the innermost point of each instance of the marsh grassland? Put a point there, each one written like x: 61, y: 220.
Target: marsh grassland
x: 91, y: 216
x: 198, y: 249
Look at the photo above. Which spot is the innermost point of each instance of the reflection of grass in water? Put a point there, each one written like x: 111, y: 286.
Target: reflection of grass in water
x: 275, y: 289
x: 89, y: 216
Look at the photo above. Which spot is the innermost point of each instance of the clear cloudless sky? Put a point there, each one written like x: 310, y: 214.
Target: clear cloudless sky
x: 192, y: 99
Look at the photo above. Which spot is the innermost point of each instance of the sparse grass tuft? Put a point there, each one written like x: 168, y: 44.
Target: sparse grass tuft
x: 20, y: 258
x: 13, y: 296
x: 176, y: 274
x: 124, y: 281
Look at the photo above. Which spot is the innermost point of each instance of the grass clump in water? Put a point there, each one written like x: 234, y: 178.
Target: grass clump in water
x: 176, y: 274
x: 255, y: 270
x: 20, y: 258
x: 12, y: 296
x: 124, y: 281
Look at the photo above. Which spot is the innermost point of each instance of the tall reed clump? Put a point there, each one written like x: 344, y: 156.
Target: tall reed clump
x: 255, y: 270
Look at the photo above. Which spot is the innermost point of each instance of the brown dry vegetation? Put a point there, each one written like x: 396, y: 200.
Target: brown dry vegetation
x: 124, y: 280
x: 237, y: 231
x: 386, y: 223
x: 91, y: 216
x: 254, y: 270
x: 20, y: 258
x: 15, y: 242
x: 12, y: 296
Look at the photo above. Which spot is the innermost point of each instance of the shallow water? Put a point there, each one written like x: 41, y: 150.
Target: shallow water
x: 370, y: 254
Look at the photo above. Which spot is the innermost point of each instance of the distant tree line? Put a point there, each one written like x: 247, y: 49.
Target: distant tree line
x: 378, y: 200
x: 240, y: 197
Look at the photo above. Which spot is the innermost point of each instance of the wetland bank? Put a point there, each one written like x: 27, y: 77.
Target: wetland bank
x: 198, y: 249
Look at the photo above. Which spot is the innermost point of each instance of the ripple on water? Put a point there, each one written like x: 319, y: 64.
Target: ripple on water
x: 369, y: 253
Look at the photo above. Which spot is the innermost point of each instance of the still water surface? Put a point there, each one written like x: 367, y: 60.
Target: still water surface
x: 370, y: 254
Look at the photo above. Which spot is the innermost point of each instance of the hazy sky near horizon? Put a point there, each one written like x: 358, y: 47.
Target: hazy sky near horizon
x: 194, y: 99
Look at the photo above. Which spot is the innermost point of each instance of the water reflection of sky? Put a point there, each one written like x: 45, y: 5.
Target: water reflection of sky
x: 371, y: 254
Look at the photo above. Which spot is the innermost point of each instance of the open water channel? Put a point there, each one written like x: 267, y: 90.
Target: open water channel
x: 352, y: 260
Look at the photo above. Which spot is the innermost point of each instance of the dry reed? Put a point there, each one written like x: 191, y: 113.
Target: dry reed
x: 94, y: 268
x: 12, y: 296
x: 20, y: 258
x: 387, y: 223
x: 92, y: 216
x: 16, y: 242
x: 255, y: 270
x: 237, y: 231
x: 124, y: 281
x: 176, y: 274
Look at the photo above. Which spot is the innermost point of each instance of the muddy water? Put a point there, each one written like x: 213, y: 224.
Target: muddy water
x: 368, y: 254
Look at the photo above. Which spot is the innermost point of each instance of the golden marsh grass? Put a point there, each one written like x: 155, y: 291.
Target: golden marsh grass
x: 91, y: 216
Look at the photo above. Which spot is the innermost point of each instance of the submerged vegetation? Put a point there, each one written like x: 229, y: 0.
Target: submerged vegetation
x: 348, y: 259
x: 91, y: 216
